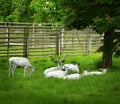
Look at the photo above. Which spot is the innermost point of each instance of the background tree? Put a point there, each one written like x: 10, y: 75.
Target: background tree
x: 102, y: 15
x: 31, y: 11
x: 5, y: 9
x: 15, y: 11
x: 47, y: 11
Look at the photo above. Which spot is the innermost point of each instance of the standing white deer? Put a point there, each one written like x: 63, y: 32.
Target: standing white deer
x: 21, y: 62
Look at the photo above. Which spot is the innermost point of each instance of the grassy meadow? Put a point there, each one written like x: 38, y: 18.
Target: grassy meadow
x: 104, y: 89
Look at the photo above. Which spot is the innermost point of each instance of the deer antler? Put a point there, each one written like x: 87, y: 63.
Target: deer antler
x: 64, y: 58
x: 59, y: 61
x: 52, y: 58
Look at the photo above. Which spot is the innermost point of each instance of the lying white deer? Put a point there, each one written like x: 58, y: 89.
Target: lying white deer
x: 69, y: 67
x: 57, y: 68
x: 21, y: 62
x: 52, y: 69
x: 95, y: 72
x: 72, y: 67
x: 57, y: 74
x: 72, y: 76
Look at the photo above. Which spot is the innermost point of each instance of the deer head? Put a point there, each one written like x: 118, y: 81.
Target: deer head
x: 59, y: 61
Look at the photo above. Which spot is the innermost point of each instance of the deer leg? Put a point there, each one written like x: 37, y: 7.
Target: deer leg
x: 13, y: 69
x: 10, y: 69
x: 25, y: 71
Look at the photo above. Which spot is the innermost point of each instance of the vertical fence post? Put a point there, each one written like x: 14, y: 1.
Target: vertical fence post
x: 25, y: 49
x: 88, y: 41
x: 8, y: 40
x: 33, y: 36
x: 58, y: 44
x: 62, y: 37
x: 61, y: 41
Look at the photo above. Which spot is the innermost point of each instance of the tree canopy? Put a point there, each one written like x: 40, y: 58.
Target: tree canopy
x: 101, y: 15
x: 30, y: 11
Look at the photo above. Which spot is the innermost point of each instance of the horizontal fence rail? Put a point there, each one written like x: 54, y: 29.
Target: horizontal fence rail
x: 34, y: 39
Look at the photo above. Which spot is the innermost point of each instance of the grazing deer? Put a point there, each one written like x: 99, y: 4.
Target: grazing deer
x: 21, y: 62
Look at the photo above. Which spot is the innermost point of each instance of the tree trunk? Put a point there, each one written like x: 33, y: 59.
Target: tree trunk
x: 107, y: 50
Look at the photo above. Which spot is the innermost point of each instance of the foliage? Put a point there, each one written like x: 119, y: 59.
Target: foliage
x: 31, y: 11
x: 101, y: 15
x: 15, y: 10
x: 46, y: 11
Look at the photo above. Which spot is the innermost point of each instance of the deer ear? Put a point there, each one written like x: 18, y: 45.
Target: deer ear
x: 63, y: 69
x: 63, y: 60
x: 78, y: 63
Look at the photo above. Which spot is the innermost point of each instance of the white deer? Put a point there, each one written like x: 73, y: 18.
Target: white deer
x: 57, y: 68
x: 52, y: 69
x: 72, y: 76
x: 57, y: 74
x: 95, y: 72
x: 21, y: 62
x: 72, y: 67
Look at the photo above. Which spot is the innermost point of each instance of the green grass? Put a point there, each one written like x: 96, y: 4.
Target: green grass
x: 37, y: 89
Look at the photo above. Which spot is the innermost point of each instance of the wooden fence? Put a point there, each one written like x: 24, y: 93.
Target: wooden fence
x: 81, y: 42
x: 33, y: 39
